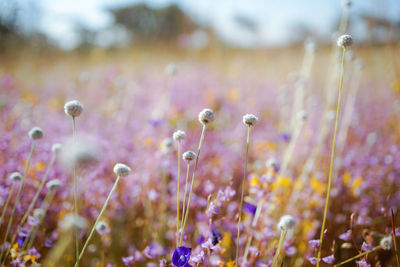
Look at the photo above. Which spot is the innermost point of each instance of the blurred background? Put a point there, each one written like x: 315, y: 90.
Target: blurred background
x: 76, y: 25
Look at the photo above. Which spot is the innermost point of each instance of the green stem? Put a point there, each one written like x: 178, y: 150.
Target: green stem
x: 332, y: 158
x: 177, y: 193
x: 358, y: 256
x: 185, y: 193
x: 278, y: 250
x: 75, y: 196
x: 7, y: 201
x: 193, y: 179
x: 97, y: 221
x: 17, y: 199
x: 39, y: 190
x: 242, y: 195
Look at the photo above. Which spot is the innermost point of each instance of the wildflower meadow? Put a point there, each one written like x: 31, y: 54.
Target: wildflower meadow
x: 161, y: 156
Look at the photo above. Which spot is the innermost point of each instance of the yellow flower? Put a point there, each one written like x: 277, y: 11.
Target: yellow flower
x: 281, y: 181
x: 317, y: 186
x: 40, y: 166
x: 356, y: 184
x: 346, y: 178
x: 226, y: 239
x: 148, y: 142
x: 233, y: 95
x: 254, y: 181
x: 230, y: 264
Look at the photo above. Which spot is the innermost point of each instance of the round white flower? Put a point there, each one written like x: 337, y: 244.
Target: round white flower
x: 250, y: 119
x: 36, y: 133
x: 73, y: 108
x: 121, y: 169
x: 206, y: 116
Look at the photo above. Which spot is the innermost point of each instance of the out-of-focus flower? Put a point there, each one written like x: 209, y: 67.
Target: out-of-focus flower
x: 128, y: 260
x: 250, y: 119
x: 121, y: 169
x: 36, y: 133
x: 102, y: 228
x: 386, y: 243
x: 206, y: 116
x: 329, y: 259
x: 73, y: 108
x: 286, y: 222
x: 179, y: 135
x: 181, y: 257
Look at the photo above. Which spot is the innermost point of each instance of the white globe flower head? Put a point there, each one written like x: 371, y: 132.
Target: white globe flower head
x: 250, y: 119
x: 56, y: 148
x: 166, y: 145
x: 53, y: 184
x: 39, y: 213
x: 171, y: 69
x: 36, y: 133
x: 345, y: 40
x: 121, y: 169
x: 287, y: 222
x: 272, y: 163
x: 102, y: 228
x: 206, y: 116
x: 15, y: 177
x: 386, y: 243
x: 179, y: 135
x: 81, y: 152
x: 72, y: 222
x: 73, y: 108
x: 189, y: 156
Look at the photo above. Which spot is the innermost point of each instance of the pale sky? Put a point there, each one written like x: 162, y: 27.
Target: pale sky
x: 275, y: 17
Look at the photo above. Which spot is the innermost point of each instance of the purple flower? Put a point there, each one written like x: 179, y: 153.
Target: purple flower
x: 34, y: 252
x: 33, y: 221
x: 366, y: 247
x: 329, y: 259
x: 249, y: 208
x: 312, y: 260
x: 212, y: 209
x: 181, y: 257
x: 346, y: 236
x: 199, y: 258
x: 128, y: 260
x: 48, y: 243
x: 314, y: 243
x: 362, y: 263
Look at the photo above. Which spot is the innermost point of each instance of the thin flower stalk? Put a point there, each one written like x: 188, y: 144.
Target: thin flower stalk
x: 358, y: 256
x: 339, y: 101
x: 278, y: 250
x: 185, y: 192
x: 97, y: 221
x: 192, y: 183
x: 10, y: 194
x: 18, y: 197
x: 178, y: 192
x: 242, y: 195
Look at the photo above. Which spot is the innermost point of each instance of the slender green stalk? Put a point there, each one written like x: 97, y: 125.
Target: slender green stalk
x: 17, y: 199
x: 250, y: 239
x: 242, y: 195
x: 278, y: 250
x: 177, y: 193
x: 358, y: 256
x: 39, y: 190
x: 185, y: 193
x: 28, y: 211
x: 75, y: 197
x: 332, y: 158
x: 28, y: 242
x: 191, y: 185
x: 6, y: 204
x: 97, y: 221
